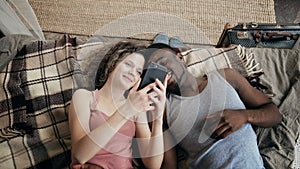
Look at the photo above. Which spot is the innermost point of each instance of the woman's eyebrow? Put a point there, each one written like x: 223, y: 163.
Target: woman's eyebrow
x: 131, y: 62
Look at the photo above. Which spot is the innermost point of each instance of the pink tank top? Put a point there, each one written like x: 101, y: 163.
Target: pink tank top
x: 117, y: 153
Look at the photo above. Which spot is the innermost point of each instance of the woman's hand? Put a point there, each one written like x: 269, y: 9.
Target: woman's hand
x: 150, y: 126
x: 158, y: 98
x: 138, y: 100
x: 150, y: 98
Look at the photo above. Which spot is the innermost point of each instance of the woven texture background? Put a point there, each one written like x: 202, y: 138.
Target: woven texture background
x: 209, y: 16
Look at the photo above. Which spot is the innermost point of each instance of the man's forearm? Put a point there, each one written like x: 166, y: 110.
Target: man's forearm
x: 266, y: 115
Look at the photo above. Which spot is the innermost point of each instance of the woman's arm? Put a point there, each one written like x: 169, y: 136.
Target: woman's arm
x: 170, y: 155
x: 85, y: 143
x: 151, y: 142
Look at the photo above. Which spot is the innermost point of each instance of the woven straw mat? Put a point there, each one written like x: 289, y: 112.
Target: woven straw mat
x: 185, y: 18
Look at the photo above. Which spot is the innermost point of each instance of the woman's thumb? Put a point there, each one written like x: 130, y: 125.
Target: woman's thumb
x: 136, y: 85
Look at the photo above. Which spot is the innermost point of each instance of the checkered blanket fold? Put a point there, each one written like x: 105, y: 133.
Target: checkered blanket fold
x: 12, y: 100
x: 36, y: 89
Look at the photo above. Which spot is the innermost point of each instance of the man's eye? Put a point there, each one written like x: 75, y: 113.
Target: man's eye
x: 163, y: 62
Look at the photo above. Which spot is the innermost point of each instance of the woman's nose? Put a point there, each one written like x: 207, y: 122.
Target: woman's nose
x: 133, y: 72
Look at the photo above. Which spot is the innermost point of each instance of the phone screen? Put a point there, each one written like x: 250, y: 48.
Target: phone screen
x: 152, y: 72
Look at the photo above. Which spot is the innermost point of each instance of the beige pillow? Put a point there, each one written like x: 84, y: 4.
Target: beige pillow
x: 202, y: 61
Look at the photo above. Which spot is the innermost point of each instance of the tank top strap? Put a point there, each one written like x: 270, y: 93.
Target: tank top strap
x: 217, y: 77
x: 95, y: 99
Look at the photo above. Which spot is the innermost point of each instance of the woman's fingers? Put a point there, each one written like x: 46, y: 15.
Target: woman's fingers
x: 168, y: 76
x: 153, y: 96
x: 136, y: 85
x: 150, y: 96
x: 148, y: 88
x: 153, y: 93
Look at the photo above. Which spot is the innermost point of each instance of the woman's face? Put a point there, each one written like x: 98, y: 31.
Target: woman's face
x: 128, y: 71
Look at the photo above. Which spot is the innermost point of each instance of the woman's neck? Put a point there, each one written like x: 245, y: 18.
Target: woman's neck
x: 112, y: 94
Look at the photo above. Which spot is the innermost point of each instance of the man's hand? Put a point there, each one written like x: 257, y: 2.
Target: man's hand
x: 229, y: 122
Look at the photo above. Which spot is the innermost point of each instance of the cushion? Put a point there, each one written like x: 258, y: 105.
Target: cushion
x: 200, y: 61
x: 282, y: 78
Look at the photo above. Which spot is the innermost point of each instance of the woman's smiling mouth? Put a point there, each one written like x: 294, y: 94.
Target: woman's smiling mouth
x: 128, y: 78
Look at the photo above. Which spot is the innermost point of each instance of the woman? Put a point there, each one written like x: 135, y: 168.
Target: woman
x: 103, y: 122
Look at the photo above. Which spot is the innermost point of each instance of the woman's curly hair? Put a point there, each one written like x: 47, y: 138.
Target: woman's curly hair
x: 115, y: 55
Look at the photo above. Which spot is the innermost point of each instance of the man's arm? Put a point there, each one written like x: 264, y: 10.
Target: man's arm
x: 260, y: 110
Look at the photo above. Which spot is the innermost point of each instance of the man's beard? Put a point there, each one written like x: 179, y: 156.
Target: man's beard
x: 174, y: 89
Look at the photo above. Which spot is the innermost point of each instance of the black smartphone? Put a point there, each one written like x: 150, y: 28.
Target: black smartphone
x: 153, y: 71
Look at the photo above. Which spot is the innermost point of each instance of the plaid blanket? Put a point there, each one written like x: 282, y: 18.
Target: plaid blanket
x: 36, y: 89
x: 37, y: 86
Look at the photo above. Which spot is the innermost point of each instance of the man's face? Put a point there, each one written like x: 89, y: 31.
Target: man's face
x: 168, y: 58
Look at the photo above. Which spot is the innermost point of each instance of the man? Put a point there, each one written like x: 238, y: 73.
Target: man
x: 211, y: 117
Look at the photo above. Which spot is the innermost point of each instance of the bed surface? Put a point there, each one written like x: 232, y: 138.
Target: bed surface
x: 39, y: 137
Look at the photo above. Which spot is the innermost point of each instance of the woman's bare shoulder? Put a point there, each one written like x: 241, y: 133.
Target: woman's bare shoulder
x: 83, y: 93
x: 80, y: 103
x: 82, y: 97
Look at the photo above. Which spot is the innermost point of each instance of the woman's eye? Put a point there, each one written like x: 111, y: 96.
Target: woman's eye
x: 139, y: 73
x: 127, y: 64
